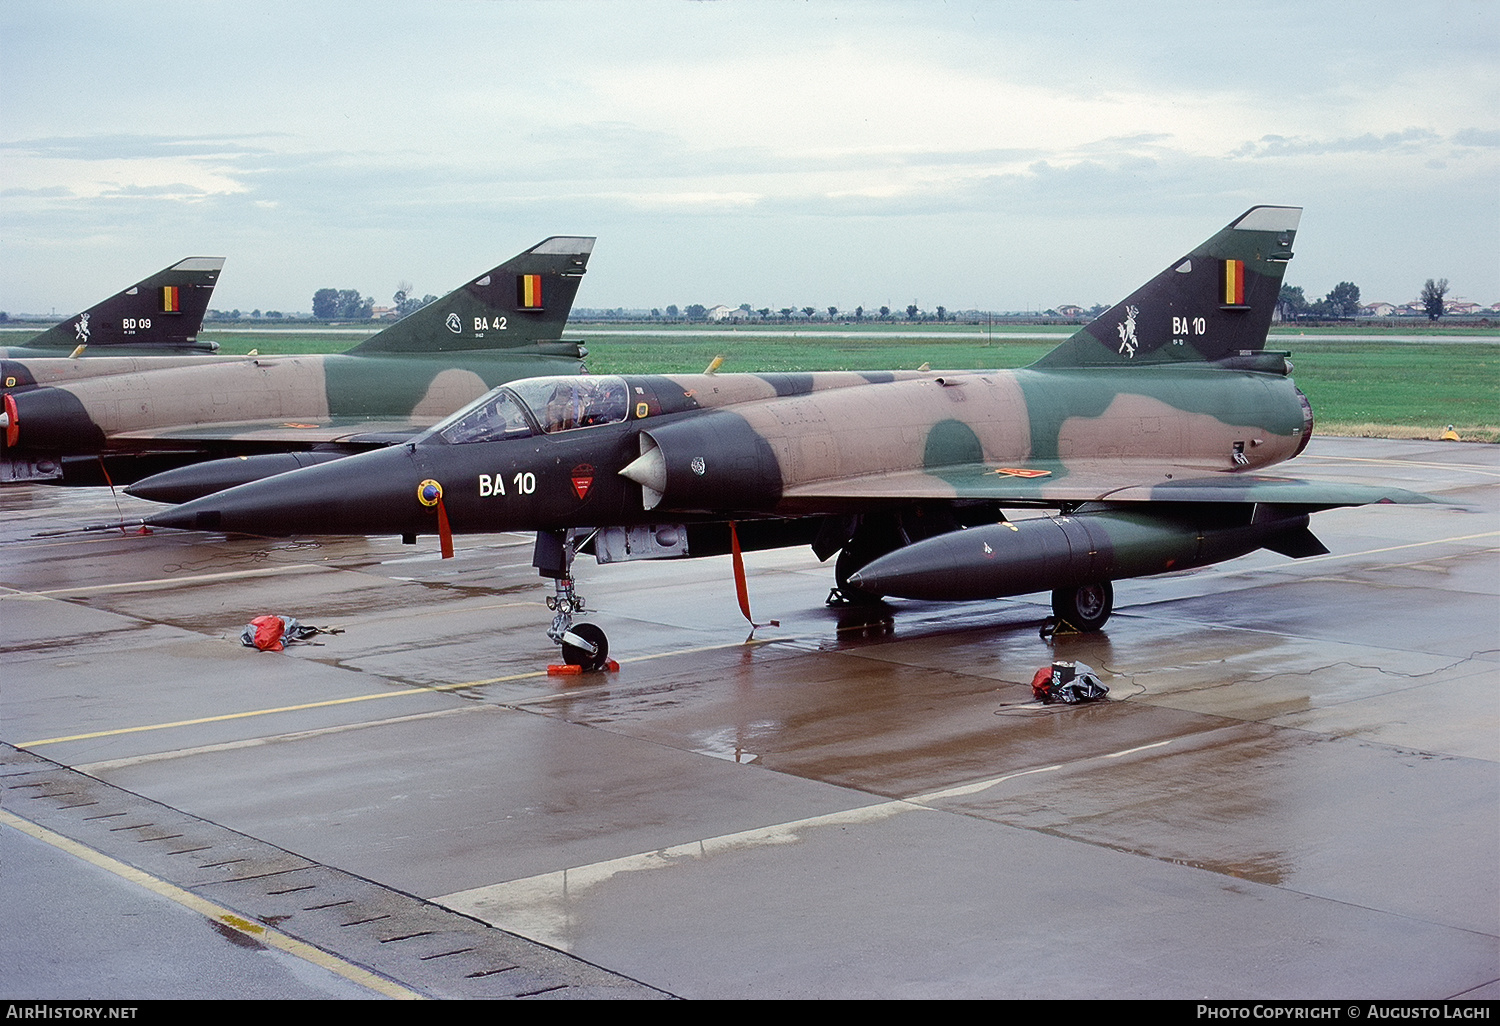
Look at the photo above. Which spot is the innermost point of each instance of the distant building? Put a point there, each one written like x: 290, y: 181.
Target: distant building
x: 727, y: 313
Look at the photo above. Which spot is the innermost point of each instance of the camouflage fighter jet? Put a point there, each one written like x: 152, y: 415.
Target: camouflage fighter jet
x: 159, y: 314
x: 1149, y: 432
x: 68, y: 418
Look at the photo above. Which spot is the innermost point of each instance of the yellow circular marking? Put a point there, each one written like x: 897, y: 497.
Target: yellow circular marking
x: 429, y: 492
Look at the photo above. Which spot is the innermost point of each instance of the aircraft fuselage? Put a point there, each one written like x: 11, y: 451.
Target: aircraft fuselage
x: 729, y: 446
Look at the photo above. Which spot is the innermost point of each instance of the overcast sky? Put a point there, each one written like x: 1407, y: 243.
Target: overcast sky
x: 970, y: 154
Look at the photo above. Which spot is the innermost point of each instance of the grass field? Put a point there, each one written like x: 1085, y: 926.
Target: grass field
x: 1384, y: 389
x: 1394, y: 388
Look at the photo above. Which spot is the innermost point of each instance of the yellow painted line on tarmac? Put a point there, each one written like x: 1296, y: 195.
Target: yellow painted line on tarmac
x: 216, y: 913
x: 410, y: 691
x: 414, y: 690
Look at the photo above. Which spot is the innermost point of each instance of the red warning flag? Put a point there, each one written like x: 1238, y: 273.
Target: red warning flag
x: 445, y: 533
x: 741, y: 590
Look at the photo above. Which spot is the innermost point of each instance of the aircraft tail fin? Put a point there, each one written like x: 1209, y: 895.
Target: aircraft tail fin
x: 163, y: 311
x: 524, y: 301
x: 1214, y: 303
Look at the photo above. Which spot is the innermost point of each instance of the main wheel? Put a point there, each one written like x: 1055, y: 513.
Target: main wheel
x: 1085, y: 608
x: 575, y: 656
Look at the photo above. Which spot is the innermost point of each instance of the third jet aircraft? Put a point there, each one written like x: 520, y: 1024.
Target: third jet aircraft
x: 157, y: 315
x: 68, y: 418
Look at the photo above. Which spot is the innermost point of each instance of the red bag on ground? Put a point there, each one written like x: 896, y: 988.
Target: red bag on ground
x: 268, y: 631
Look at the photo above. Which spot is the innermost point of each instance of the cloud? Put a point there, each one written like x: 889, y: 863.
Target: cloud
x: 737, y: 147
x: 1408, y: 140
x: 130, y: 147
x: 1478, y: 137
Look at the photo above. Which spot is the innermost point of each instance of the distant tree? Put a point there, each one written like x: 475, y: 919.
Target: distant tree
x: 1343, y: 300
x: 1291, y: 302
x: 429, y: 298
x: 255, y: 314
x: 942, y: 312
x: 786, y: 313
x: 655, y: 313
x: 672, y: 310
x: 1432, y: 298
x: 405, y: 300
x: 764, y: 311
x: 697, y: 312
x: 859, y: 313
x: 885, y: 312
x: 833, y: 312
x: 274, y: 315
x: 4, y: 317
x: 911, y: 312
x: 807, y: 310
x: 326, y: 304
x: 745, y: 308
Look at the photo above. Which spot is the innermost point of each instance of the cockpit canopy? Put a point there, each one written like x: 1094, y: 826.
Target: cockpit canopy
x: 546, y: 404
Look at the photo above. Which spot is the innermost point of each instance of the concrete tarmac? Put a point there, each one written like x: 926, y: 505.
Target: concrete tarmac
x: 1293, y: 790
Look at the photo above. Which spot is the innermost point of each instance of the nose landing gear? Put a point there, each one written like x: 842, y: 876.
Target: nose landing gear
x: 584, y: 645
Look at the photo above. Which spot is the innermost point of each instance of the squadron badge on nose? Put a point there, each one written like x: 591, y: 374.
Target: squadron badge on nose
x: 582, y: 477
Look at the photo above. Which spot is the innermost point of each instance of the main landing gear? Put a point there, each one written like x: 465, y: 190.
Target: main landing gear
x: 1086, y: 607
x: 584, y: 645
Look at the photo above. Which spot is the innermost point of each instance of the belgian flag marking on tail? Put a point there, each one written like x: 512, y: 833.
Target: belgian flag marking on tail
x: 170, y: 300
x: 529, y: 291
x: 1233, y: 293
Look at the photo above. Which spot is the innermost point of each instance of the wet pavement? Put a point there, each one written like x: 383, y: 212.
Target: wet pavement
x: 1292, y: 792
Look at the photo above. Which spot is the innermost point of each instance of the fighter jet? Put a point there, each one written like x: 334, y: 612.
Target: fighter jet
x: 65, y: 418
x: 157, y: 315
x: 1148, y: 435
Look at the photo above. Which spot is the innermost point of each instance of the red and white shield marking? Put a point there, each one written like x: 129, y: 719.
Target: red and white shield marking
x: 583, y: 479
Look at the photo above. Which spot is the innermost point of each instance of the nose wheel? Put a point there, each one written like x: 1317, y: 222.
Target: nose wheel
x: 585, y: 646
